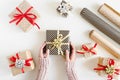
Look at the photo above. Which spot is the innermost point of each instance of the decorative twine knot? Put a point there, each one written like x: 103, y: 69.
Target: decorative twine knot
x: 110, y: 69
x: 57, y: 42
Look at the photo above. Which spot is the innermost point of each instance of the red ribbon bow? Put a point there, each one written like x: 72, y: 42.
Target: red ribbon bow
x: 14, y: 59
x: 85, y: 48
x: 111, y: 63
x: 29, y: 16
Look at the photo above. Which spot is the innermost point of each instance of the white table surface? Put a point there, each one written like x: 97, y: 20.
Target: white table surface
x: 13, y: 39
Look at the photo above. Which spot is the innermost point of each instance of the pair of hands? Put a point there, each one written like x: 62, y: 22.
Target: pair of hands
x: 68, y: 57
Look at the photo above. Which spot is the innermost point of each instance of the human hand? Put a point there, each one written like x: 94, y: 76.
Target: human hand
x: 44, y: 54
x: 70, y: 57
x: 43, y: 62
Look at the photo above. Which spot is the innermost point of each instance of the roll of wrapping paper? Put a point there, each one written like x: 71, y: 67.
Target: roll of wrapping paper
x: 101, y: 25
x: 115, y: 51
x: 110, y: 13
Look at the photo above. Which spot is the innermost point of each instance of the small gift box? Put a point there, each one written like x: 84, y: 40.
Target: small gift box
x: 108, y: 67
x: 88, y: 49
x: 24, y: 16
x: 64, y: 8
x: 57, y: 41
x: 21, y: 62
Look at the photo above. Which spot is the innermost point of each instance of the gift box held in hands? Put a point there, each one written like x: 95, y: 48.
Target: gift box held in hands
x: 21, y: 62
x: 57, y: 41
x: 24, y: 16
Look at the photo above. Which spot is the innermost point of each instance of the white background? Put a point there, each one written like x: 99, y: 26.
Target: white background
x: 13, y: 39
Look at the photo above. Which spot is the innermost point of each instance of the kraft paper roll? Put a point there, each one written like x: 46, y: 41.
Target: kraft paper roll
x: 110, y: 13
x: 105, y: 44
x: 101, y: 25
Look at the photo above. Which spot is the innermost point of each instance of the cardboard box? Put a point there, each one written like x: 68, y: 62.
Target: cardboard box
x: 21, y: 62
x: 28, y: 21
x: 57, y: 41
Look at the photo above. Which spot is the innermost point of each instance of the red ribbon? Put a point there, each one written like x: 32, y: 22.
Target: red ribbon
x: 84, y: 47
x: 29, y: 16
x: 14, y: 59
x: 111, y: 62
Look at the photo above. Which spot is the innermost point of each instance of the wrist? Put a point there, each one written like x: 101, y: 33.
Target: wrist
x: 44, y: 62
x: 70, y: 65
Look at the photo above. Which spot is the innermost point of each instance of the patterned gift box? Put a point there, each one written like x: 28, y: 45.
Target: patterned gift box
x: 108, y: 67
x: 64, y: 8
x: 57, y: 41
x: 21, y: 62
x: 24, y: 16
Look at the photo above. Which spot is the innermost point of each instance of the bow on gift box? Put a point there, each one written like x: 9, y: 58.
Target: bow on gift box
x: 29, y: 16
x: 58, y: 42
x: 19, y: 63
x: 109, y: 69
x: 86, y: 49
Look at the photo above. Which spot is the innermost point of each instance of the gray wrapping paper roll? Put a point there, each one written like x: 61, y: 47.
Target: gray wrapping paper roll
x: 101, y: 25
x: 110, y: 13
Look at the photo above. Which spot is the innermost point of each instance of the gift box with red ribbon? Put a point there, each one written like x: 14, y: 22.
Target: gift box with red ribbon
x: 88, y: 49
x: 108, y: 67
x: 24, y: 16
x: 21, y: 62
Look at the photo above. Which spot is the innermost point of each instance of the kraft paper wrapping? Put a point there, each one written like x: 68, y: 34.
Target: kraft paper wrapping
x: 90, y: 51
x: 24, y: 24
x: 23, y: 56
x: 101, y: 25
x: 105, y: 44
x: 104, y: 61
x: 51, y: 35
x: 110, y: 13
x: 100, y: 61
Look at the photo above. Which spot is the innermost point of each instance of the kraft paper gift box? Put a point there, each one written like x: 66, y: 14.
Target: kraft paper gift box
x: 57, y: 41
x: 88, y: 49
x: 108, y: 67
x: 21, y: 62
x: 24, y: 16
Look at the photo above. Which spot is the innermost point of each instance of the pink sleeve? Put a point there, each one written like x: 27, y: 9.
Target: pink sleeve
x: 71, y: 71
x: 43, y: 68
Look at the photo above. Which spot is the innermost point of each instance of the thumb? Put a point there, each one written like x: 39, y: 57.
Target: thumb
x: 67, y: 55
x: 47, y: 53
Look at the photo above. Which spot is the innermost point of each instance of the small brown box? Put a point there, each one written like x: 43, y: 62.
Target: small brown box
x: 21, y: 62
x: 24, y: 23
x: 57, y: 41
x: 108, y: 67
